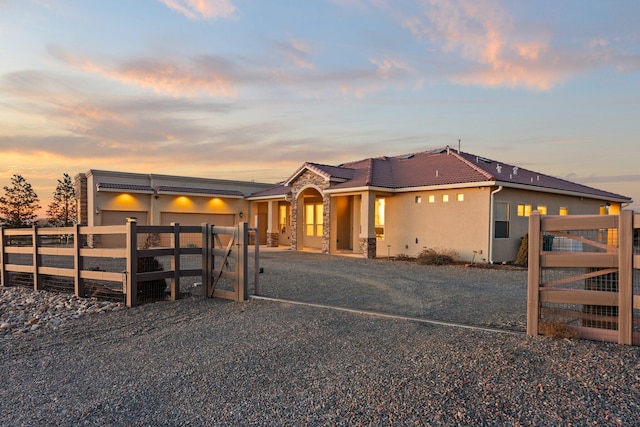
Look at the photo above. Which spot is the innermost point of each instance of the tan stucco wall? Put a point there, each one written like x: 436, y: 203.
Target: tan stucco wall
x: 462, y: 226
x: 505, y: 250
x: 171, y: 205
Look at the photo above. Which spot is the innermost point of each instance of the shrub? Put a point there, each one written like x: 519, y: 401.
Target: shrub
x: 436, y: 256
x: 523, y: 252
x: 152, y: 289
x: 556, y: 329
x: 404, y: 257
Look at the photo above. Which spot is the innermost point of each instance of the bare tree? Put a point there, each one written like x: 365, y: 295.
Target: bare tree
x: 62, y: 211
x: 19, y: 204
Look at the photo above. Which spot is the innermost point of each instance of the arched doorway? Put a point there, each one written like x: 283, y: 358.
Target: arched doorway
x: 311, y: 219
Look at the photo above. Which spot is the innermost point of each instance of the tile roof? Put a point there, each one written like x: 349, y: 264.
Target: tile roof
x: 444, y: 167
x: 107, y: 186
x: 192, y: 190
x: 277, y: 190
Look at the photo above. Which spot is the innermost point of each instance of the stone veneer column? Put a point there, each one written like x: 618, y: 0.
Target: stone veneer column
x: 368, y: 246
x: 80, y: 183
x: 273, y: 240
x: 294, y: 222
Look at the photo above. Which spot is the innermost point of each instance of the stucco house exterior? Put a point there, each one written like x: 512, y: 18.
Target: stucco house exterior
x: 108, y: 198
x: 375, y: 207
x: 443, y: 198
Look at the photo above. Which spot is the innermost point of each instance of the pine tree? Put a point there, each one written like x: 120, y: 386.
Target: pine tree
x: 62, y: 210
x: 19, y: 205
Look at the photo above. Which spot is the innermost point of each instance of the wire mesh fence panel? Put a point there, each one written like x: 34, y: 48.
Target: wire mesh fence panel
x: 19, y: 279
x: 19, y: 259
x: 113, y: 265
x: 57, y: 261
x: 104, y: 290
x: 64, y: 285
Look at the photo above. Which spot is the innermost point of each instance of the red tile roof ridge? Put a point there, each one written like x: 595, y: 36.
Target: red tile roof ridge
x: 473, y: 166
x: 369, y: 172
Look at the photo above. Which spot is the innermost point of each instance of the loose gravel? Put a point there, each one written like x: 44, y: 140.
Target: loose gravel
x: 210, y: 362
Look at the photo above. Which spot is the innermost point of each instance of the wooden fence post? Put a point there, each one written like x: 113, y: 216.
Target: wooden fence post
x: 132, y: 262
x: 533, y: 299
x: 625, y: 277
x: 256, y: 259
x: 78, y: 262
x: 4, y: 279
x: 37, y: 260
x: 207, y: 266
x: 175, y: 261
x: 242, y: 271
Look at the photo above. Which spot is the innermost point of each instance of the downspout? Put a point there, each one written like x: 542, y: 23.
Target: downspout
x: 492, y: 223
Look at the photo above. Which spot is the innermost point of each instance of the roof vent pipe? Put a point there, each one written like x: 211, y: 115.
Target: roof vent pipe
x: 448, y: 150
x: 436, y: 172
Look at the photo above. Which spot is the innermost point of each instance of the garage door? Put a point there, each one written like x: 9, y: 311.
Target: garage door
x: 167, y: 218
x: 225, y: 220
x: 118, y: 218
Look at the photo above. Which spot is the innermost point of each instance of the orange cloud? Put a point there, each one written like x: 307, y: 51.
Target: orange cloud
x: 202, y: 9
x: 174, y: 79
x: 482, y: 33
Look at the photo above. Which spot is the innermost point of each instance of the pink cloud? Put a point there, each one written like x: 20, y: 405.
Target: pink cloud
x: 205, y: 75
x: 298, y: 51
x: 482, y: 33
x: 202, y: 9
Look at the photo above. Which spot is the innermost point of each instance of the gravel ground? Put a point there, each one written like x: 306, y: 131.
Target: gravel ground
x: 211, y: 362
x: 495, y: 297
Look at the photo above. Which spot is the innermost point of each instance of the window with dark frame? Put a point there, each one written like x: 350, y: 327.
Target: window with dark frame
x: 501, y: 220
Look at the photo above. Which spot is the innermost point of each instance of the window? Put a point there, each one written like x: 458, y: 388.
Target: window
x: 432, y: 198
x: 314, y: 219
x: 282, y: 218
x: 501, y: 220
x: 418, y: 199
x: 524, y: 210
x: 563, y: 211
x: 460, y: 197
x: 379, y: 224
x: 542, y: 210
x: 445, y: 198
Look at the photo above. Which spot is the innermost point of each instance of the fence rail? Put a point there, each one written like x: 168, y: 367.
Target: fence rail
x: 131, y: 262
x: 583, y: 276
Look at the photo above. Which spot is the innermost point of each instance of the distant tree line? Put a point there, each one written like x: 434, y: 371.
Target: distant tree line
x: 20, y: 202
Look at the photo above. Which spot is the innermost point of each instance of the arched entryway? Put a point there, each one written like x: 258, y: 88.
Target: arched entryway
x: 311, y: 219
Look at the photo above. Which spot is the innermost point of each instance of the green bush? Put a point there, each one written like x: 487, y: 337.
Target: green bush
x: 436, y: 256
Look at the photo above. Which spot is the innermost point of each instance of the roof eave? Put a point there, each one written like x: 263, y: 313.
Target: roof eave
x: 613, y: 198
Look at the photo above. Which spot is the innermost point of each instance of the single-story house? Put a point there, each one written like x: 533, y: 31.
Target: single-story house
x: 376, y: 207
x: 390, y: 206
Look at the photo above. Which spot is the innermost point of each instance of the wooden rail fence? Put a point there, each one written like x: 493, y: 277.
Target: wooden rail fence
x: 96, y: 258
x: 583, y: 276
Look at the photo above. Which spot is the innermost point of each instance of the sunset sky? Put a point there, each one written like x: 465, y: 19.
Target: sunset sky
x: 251, y: 89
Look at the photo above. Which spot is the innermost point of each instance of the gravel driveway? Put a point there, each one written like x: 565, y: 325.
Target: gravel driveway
x: 208, y: 362
x: 495, y: 297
